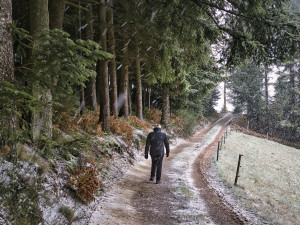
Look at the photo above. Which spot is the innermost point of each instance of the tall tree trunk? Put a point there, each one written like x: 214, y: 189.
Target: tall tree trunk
x: 225, y: 97
x: 90, y: 93
x: 267, y: 126
x: 129, y: 98
x: 42, y: 120
x: 124, y: 87
x: 293, y: 101
x: 149, y: 98
x: 292, y: 77
x: 56, y: 13
x: 166, y: 105
x: 102, y: 71
x: 112, y: 66
x: 6, y: 42
x: 144, y: 97
x: 139, y: 84
x: 6, y: 67
x: 267, y: 88
x: 125, y: 65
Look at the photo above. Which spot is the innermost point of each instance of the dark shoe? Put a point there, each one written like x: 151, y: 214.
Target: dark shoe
x: 158, y: 182
x: 151, y: 179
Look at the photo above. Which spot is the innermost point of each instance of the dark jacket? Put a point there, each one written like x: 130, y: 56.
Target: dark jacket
x: 156, y: 141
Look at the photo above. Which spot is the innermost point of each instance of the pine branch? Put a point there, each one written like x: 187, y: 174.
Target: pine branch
x: 200, y: 3
x: 87, y: 1
x: 76, y: 6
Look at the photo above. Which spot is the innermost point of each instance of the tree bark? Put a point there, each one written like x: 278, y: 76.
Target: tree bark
x: 125, y: 65
x: 112, y: 66
x: 292, y: 78
x: 149, y: 98
x: 225, y: 99
x: 166, y: 105
x: 90, y: 93
x: 129, y: 98
x: 144, y: 97
x: 124, y: 88
x: 267, y: 125
x: 6, y: 42
x: 39, y: 16
x: 42, y: 119
x: 56, y: 13
x: 82, y: 92
x: 8, y: 124
x: 102, y: 71
x: 267, y: 88
x: 139, y: 84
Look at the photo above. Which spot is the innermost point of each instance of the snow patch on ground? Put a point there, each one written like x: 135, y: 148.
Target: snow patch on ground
x: 183, y: 183
x: 269, y: 177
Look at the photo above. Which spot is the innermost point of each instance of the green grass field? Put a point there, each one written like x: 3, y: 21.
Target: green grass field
x: 269, y: 182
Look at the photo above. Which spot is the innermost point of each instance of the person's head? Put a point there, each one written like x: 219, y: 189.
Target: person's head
x: 156, y: 127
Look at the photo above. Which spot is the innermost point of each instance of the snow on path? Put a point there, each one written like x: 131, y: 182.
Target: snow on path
x: 183, y: 180
x: 117, y: 201
x: 115, y: 206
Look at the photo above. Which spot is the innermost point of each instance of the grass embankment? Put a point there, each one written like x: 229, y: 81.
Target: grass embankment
x: 269, y: 177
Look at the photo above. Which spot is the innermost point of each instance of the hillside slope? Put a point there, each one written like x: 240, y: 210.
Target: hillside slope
x: 269, y: 177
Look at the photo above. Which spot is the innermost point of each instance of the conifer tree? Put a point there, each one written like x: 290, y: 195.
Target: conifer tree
x: 112, y: 66
x: 246, y: 84
x: 6, y: 42
x: 42, y: 119
x: 139, y: 101
x: 90, y: 94
x: 103, y: 70
x: 7, y: 122
x: 56, y: 13
x: 286, y: 107
x: 124, y: 80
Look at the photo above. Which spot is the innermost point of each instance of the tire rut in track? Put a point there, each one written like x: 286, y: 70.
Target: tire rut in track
x: 219, y: 211
x: 137, y: 201
x: 157, y: 202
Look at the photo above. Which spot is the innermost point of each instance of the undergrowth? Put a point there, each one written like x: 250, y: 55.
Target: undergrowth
x: 153, y: 115
x: 184, y: 123
x: 68, y: 213
x: 141, y: 125
x: 85, y: 182
x: 122, y: 127
x: 87, y: 122
x: 19, y: 194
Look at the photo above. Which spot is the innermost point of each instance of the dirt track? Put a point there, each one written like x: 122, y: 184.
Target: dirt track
x: 183, y: 197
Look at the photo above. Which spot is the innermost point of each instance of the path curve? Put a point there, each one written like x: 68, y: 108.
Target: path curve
x: 183, y: 197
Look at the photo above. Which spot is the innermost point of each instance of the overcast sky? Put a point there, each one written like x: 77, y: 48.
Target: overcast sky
x: 272, y: 79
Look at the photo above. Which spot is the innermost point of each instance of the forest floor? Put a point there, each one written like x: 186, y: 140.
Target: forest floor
x: 186, y: 194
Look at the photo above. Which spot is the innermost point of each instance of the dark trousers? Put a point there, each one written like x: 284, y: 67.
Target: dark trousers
x: 156, y: 166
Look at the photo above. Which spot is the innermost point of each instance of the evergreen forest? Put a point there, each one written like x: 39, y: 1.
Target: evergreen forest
x: 86, y: 68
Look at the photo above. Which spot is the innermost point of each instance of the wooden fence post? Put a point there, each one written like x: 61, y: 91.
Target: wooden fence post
x: 238, y: 169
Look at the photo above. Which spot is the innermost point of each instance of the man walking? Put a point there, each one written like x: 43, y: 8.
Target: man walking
x: 156, y: 141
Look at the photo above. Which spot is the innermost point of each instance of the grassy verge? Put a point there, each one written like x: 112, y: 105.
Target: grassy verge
x: 269, y: 177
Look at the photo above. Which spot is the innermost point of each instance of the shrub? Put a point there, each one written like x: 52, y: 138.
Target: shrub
x: 135, y: 122
x: 153, y: 115
x: 86, y: 182
x: 68, y: 213
x: 20, y: 194
x: 185, y: 123
x: 73, y: 146
x: 123, y: 128
x: 45, y: 146
x: 5, y: 150
x: 87, y: 122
